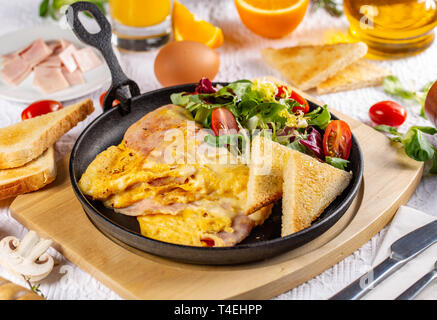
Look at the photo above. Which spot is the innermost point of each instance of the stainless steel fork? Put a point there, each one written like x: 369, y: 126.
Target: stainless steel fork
x: 419, y: 285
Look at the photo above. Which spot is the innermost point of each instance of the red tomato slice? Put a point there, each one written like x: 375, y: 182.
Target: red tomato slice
x: 223, y: 122
x: 300, y: 100
x: 337, y: 140
x: 39, y: 108
x: 102, y: 98
x: 389, y: 113
x: 282, y: 92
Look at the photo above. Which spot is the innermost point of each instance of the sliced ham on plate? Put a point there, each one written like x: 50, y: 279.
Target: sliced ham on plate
x: 67, y: 59
x: 86, y: 59
x: 58, y: 64
x: 37, y: 52
x: 73, y: 78
x: 15, y: 71
x: 53, y: 61
x: 49, y: 80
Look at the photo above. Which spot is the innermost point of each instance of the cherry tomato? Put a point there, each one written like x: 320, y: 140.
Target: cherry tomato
x: 39, y: 108
x: 282, y: 90
x: 337, y: 140
x: 223, y: 121
x: 388, y: 112
x: 102, y: 98
x: 305, y: 106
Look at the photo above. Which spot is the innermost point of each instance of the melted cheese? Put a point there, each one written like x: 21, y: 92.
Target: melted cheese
x: 181, y: 189
x: 191, y: 227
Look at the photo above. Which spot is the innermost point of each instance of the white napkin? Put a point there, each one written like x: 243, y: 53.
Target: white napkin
x: 405, y: 221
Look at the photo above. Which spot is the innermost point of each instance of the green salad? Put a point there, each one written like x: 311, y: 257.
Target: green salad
x: 244, y: 108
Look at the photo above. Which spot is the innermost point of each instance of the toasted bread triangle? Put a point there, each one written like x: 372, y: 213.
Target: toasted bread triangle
x: 309, y: 187
x: 30, y: 177
x: 358, y: 75
x: 308, y: 66
x: 267, y: 163
x: 27, y: 140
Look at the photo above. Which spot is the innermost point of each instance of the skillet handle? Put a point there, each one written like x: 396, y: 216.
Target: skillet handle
x: 102, y: 41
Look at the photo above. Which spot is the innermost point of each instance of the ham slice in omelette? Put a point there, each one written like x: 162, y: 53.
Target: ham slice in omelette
x: 181, y: 189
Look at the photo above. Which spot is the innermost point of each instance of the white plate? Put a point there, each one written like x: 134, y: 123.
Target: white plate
x: 26, y: 92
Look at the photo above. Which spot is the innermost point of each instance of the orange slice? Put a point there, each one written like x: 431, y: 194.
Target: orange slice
x: 186, y: 27
x: 271, y: 18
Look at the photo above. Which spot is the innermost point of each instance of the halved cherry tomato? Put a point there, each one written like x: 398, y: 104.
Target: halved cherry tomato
x: 337, y: 140
x: 389, y: 113
x: 39, y: 108
x: 300, y: 100
x: 102, y: 98
x: 208, y: 242
x: 223, y: 122
x: 282, y: 91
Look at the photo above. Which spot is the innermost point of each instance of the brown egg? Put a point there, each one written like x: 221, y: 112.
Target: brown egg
x: 185, y: 62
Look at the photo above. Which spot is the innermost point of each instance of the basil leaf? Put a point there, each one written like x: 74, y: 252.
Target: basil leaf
x: 393, y: 86
x: 427, y: 130
x: 337, y: 162
x: 387, y: 129
x: 417, y: 146
x: 44, y: 8
x: 320, y: 119
x: 421, y: 97
x: 433, y: 168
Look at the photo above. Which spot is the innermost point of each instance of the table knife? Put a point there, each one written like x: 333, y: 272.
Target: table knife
x: 402, y: 251
x: 419, y: 285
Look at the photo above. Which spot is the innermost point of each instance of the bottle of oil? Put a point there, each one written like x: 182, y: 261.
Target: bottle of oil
x: 392, y: 28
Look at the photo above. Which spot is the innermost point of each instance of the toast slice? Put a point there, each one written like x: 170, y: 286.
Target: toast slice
x: 30, y: 177
x: 264, y: 186
x: 27, y: 140
x: 358, y: 75
x: 308, y: 66
x: 309, y: 187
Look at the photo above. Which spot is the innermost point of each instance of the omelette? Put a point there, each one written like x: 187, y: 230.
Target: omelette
x: 181, y: 189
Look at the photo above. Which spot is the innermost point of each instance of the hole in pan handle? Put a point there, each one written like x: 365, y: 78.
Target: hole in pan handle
x: 102, y: 41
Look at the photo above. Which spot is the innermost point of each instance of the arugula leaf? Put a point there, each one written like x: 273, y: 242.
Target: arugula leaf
x: 320, y: 119
x: 240, y: 87
x: 223, y: 140
x: 417, y: 145
x: 393, y: 86
x: 338, y: 163
x: 180, y: 99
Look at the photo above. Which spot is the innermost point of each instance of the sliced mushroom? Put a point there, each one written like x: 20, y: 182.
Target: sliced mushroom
x: 27, y: 257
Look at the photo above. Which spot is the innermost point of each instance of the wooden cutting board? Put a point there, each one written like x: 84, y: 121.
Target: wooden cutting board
x: 390, y: 178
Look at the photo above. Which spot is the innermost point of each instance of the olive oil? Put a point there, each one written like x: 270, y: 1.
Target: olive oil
x: 392, y: 28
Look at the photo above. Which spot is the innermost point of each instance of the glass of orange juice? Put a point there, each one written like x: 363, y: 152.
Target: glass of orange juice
x: 140, y: 25
x: 392, y: 28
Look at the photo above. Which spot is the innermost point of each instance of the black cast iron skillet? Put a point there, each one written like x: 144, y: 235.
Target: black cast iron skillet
x: 108, y: 129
